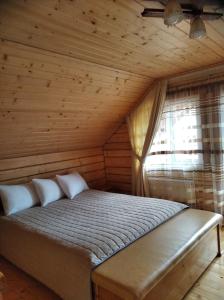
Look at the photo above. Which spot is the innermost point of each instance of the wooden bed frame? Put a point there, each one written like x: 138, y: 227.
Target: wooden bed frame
x: 171, y: 284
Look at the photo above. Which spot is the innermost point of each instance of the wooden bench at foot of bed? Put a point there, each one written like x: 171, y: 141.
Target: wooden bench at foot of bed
x: 163, y: 264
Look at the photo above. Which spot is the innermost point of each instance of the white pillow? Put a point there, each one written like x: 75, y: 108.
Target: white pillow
x: 17, y: 197
x: 72, y: 184
x: 48, y: 190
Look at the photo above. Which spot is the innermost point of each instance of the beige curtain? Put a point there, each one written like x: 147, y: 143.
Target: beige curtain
x: 142, y: 126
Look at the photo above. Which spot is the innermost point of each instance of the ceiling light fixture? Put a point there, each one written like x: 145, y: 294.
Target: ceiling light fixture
x: 197, y: 30
x: 177, y: 10
x: 173, y: 13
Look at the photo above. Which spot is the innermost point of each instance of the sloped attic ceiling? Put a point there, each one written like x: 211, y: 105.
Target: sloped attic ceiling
x: 72, y: 69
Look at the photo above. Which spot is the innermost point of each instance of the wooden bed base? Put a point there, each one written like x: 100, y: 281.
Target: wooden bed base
x: 180, y: 277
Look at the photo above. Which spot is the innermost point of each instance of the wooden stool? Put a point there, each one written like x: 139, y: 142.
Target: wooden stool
x: 2, y: 285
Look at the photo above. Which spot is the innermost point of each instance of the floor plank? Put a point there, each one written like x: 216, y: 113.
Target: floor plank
x: 210, y: 286
x: 22, y: 287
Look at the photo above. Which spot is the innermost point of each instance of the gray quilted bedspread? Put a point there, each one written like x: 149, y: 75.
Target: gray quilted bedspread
x: 98, y: 224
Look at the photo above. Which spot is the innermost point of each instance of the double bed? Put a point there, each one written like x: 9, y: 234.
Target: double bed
x: 112, y: 246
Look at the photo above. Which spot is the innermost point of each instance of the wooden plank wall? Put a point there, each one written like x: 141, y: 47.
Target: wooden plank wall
x: 117, y: 152
x: 89, y: 162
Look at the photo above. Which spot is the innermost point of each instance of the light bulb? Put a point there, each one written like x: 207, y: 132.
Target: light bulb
x: 173, y: 13
x: 198, y: 29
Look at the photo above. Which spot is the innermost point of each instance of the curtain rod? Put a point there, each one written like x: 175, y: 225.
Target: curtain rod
x: 196, y: 77
x: 196, y: 83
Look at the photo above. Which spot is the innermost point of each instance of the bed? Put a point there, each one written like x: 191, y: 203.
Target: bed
x: 110, y: 246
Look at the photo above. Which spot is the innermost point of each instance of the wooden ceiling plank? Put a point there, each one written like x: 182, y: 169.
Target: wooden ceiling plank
x: 70, y: 71
x: 141, y: 21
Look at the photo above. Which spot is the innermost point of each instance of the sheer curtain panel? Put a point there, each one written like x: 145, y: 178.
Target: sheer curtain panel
x: 185, y: 161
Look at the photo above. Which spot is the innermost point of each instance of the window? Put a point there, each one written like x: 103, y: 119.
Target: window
x: 186, y: 160
x: 178, y: 142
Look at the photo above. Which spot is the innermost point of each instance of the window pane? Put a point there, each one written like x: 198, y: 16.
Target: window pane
x: 178, y: 142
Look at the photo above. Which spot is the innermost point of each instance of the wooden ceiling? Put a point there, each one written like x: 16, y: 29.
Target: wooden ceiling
x: 72, y: 69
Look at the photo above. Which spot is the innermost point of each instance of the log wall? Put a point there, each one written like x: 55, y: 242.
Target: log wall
x: 117, y: 152
x: 89, y: 162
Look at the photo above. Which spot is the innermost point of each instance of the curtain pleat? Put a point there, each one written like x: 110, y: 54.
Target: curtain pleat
x: 142, y: 125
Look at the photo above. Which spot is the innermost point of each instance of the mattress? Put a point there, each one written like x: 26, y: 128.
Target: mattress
x: 62, y: 243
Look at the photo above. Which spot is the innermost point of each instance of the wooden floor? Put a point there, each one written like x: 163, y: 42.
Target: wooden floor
x: 22, y: 287
x: 211, y: 284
